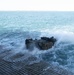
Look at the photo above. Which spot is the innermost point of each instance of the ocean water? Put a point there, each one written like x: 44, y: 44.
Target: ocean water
x: 16, y: 26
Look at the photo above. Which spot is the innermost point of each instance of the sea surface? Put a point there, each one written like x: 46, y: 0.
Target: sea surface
x: 16, y: 26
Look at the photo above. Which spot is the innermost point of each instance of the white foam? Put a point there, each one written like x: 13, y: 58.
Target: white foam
x: 19, y: 44
x: 60, y: 35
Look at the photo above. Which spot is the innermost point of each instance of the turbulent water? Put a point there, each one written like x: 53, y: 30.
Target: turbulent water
x: 15, y: 27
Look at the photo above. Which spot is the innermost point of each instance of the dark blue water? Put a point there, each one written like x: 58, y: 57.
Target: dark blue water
x: 15, y: 27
